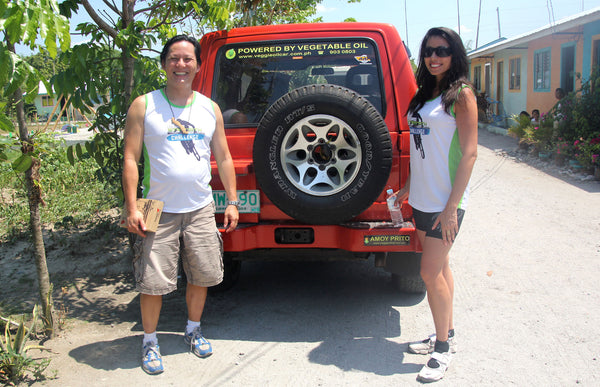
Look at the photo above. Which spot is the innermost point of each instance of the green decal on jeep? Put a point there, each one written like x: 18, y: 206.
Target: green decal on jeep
x: 387, y: 240
x: 230, y: 54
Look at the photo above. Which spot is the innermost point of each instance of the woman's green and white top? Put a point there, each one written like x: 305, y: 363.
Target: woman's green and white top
x: 434, y: 156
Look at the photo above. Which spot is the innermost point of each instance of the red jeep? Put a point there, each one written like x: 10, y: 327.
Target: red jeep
x: 315, y: 121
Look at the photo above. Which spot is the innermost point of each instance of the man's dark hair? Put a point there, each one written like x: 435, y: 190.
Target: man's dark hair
x: 179, y: 38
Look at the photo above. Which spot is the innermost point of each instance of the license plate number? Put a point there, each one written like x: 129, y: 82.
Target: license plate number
x: 249, y: 201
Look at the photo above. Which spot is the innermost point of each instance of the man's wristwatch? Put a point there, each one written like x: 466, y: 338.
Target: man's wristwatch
x: 235, y: 203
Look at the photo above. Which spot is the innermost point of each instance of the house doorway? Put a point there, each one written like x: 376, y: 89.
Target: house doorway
x: 500, y: 81
x: 595, y: 54
x: 567, y: 68
x: 487, y: 77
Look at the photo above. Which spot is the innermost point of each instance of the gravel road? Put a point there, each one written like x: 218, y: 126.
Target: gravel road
x: 526, y: 266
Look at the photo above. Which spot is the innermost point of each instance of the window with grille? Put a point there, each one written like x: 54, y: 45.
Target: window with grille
x: 541, y: 70
x: 47, y: 100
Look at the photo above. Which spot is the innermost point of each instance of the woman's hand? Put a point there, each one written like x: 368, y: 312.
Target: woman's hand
x: 448, y: 221
x: 402, y: 195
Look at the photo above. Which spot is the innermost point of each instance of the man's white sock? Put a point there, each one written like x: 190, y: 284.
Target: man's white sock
x: 150, y: 337
x: 191, y: 325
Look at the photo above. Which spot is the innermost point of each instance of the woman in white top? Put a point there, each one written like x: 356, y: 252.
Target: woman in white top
x: 443, y: 121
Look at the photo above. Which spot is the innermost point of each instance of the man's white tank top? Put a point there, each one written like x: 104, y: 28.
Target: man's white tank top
x: 434, y: 157
x: 177, y: 159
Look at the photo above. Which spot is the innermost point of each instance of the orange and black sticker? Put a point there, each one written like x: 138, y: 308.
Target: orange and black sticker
x: 387, y: 240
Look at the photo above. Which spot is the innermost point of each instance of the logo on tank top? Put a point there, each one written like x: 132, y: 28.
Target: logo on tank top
x: 181, y: 130
x: 418, y: 128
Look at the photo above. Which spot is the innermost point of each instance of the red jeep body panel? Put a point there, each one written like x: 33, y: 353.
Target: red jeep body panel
x: 369, y: 231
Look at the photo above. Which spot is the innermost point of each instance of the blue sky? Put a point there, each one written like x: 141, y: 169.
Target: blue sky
x: 516, y: 16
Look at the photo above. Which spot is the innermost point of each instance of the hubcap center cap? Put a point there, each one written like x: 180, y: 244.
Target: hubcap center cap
x: 322, y: 154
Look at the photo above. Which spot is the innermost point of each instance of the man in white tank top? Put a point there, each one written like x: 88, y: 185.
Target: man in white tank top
x: 175, y: 129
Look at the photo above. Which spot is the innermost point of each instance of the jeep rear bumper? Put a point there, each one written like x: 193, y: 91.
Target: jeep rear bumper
x: 353, y: 236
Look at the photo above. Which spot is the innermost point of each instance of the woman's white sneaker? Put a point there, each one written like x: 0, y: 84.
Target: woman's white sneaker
x: 427, y: 346
x: 435, y: 368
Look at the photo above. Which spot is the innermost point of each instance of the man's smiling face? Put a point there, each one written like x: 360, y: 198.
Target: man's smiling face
x: 181, y: 65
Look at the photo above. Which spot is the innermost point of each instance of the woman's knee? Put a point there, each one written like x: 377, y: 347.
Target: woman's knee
x: 430, y: 276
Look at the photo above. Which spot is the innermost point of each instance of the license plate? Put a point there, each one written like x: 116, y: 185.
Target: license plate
x: 249, y: 201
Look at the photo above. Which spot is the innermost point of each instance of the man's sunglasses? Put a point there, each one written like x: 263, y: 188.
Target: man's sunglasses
x: 440, y: 51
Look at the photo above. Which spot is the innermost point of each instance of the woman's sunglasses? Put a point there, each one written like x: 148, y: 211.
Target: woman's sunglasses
x: 440, y: 51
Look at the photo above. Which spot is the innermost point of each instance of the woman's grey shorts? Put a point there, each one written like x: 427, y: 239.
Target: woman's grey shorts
x: 156, y: 257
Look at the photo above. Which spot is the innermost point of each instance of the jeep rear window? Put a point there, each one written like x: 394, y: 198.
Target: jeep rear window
x: 251, y: 76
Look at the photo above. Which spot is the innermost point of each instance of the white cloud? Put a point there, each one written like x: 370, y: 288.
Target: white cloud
x: 465, y: 29
x: 323, y: 9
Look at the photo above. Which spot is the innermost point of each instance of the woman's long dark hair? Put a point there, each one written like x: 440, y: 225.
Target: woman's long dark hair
x: 455, y: 77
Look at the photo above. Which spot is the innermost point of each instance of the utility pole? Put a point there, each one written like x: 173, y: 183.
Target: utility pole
x: 478, y: 20
x: 498, y: 12
x: 406, y: 23
x: 458, y: 13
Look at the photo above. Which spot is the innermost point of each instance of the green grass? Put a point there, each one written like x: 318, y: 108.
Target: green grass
x: 72, y: 194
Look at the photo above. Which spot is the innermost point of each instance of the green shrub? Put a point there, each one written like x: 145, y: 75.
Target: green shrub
x: 15, y: 363
x: 68, y: 191
x: 580, y: 111
x: 538, y: 134
x: 519, y: 129
x: 587, y: 152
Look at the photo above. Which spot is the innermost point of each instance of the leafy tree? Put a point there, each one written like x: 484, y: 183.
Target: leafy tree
x: 46, y: 65
x: 266, y: 12
x: 24, y: 21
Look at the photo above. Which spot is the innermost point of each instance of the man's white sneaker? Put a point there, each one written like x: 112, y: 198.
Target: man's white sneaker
x: 435, y: 368
x: 426, y: 346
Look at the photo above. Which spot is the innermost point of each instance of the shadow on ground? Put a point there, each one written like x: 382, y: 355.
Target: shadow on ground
x: 350, y: 308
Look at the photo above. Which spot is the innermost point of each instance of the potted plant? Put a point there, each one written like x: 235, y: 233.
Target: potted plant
x: 521, y: 131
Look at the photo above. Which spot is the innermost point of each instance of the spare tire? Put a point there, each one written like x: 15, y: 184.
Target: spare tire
x: 322, y: 154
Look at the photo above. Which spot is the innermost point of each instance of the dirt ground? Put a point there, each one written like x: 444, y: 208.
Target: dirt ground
x: 526, y: 267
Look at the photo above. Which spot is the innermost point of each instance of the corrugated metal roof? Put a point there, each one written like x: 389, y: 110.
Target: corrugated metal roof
x: 561, y: 25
